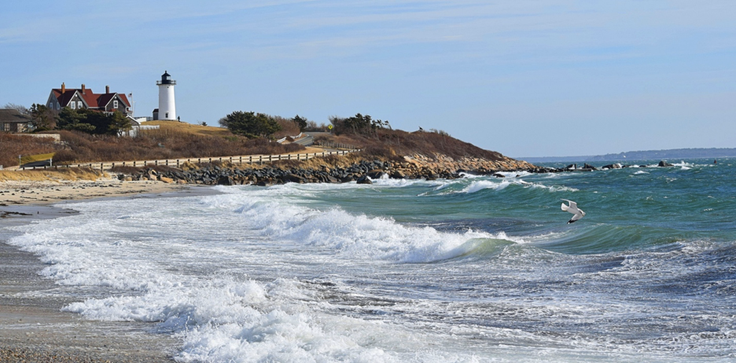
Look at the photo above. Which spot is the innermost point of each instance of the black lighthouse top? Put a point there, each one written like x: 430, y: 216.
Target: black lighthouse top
x: 166, y: 79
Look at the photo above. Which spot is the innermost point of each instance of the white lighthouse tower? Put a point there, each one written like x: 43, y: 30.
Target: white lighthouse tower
x: 166, y: 101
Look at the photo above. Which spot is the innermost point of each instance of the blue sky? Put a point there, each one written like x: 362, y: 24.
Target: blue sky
x: 522, y: 77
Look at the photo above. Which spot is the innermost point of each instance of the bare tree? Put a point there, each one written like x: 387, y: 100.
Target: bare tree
x: 22, y: 109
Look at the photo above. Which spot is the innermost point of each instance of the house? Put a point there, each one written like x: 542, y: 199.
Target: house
x: 78, y: 98
x: 11, y: 120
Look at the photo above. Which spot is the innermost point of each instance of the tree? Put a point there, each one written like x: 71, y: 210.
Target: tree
x: 300, y: 121
x: 20, y: 108
x: 69, y: 119
x: 117, y: 123
x: 92, y: 122
x: 42, y: 117
x: 250, y: 124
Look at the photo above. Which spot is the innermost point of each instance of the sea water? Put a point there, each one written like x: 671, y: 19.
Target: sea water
x: 478, y: 269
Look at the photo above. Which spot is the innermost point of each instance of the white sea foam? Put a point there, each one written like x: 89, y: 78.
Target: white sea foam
x: 221, y: 316
x: 479, y: 185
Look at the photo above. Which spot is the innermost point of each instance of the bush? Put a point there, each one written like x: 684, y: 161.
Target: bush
x: 250, y: 124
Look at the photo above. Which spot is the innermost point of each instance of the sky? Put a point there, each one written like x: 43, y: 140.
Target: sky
x: 522, y: 77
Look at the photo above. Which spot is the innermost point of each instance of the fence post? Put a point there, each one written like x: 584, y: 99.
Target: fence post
x: 260, y: 159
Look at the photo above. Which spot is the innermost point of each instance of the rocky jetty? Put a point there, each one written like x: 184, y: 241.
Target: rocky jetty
x: 327, y: 171
x: 335, y: 171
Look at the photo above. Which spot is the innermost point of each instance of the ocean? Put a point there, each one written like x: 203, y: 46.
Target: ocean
x: 478, y: 269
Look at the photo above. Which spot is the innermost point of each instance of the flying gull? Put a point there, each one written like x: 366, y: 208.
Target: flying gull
x: 573, y: 208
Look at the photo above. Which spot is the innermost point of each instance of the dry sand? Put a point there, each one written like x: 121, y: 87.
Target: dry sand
x: 32, y: 326
x: 46, y: 192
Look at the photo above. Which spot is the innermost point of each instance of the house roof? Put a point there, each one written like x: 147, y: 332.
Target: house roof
x: 13, y: 115
x: 93, y: 100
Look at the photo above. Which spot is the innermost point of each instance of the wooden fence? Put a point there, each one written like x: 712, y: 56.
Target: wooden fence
x: 247, y: 159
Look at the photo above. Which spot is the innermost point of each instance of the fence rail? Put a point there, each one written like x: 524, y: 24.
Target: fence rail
x: 245, y: 159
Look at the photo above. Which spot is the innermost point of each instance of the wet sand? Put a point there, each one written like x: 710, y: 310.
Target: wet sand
x: 32, y: 326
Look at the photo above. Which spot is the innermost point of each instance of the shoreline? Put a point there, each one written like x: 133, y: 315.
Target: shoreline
x: 34, y: 327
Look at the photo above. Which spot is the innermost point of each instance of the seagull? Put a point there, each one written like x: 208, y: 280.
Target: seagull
x: 573, y: 208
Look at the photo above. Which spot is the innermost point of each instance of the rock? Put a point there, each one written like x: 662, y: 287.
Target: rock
x: 375, y: 174
x: 664, y: 163
x: 224, y: 180
x: 294, y: 178
x: 364, y: 180
x: 397, y: 174
x: 166, y: 180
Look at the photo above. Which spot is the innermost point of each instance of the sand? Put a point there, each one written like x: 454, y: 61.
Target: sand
x: 32, y: 326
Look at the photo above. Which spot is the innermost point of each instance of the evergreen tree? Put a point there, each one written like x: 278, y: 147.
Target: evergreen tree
x: 250, y: 124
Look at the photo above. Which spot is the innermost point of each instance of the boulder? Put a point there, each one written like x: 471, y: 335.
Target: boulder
x: 225, y: 180
x: 294, y: 178
x: 664, y: 163
x: 397, y: 174
x: 588, y: 167
x: 375, y: 174
x: 364, y: 180
x: 165, y: 179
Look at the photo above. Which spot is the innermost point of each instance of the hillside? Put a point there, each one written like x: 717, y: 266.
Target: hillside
x: 190, y: 128
x: 437, y: 150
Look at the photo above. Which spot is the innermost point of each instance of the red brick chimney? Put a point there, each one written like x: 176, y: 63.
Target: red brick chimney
x: 107, y: 89
x: 84, y: 89
x: 63, y: 88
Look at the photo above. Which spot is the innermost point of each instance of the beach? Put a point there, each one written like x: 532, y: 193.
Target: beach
x: 33, y: 326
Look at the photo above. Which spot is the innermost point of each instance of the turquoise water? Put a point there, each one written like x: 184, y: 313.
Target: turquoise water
x: 479, y: 269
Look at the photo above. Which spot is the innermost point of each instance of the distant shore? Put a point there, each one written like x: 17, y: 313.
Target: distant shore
x: 34, y: 327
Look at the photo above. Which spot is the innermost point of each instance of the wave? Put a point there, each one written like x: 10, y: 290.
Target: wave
x: 477, y: 186
x: 347, y: 235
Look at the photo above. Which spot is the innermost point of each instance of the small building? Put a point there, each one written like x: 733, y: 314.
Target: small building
x: 79, y: 98
x: 11, y: 120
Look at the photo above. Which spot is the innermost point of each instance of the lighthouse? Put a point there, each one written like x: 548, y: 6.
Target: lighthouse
x: 166, y: 101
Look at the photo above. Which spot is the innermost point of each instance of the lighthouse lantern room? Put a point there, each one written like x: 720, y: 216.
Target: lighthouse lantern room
x: 166, y: 101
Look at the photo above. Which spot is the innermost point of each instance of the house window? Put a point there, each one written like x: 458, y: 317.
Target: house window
x: 79, y: 105
x: 73, y: 105
x: 115, y: 104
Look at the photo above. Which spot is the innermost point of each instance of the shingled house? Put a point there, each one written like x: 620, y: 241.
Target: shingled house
x: 78, y: 98
x: 11, y: 120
